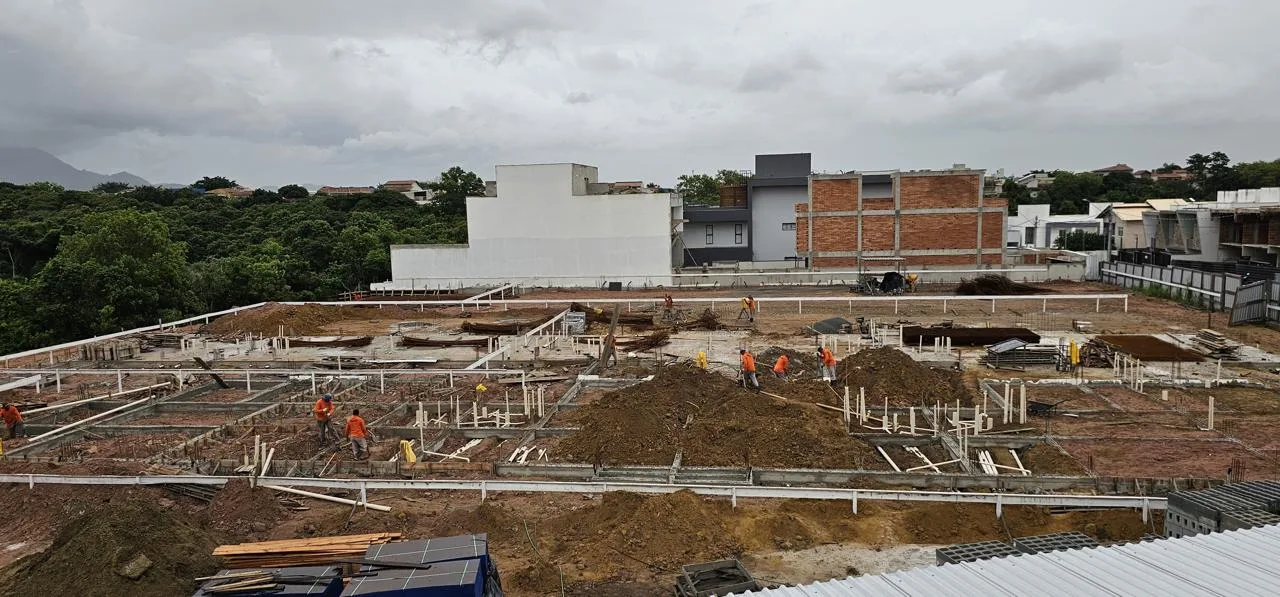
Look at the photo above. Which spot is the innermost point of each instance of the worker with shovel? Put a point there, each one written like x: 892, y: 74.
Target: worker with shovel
x: 748, y: 308
x: 324, y: 419
x: 749, y: 370
x: 828, y: 365
x: 780, y: 367
x: 358, y: 433
x: 13, y: 421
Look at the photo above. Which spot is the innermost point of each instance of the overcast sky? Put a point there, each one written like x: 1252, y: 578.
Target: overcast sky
x: 348, y: 92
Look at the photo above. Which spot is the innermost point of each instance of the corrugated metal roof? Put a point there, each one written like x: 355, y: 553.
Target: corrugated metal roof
x: 1007, y: 345
x: 1233, y: 563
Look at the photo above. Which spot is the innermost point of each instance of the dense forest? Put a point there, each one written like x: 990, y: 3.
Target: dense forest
x: 75, y: 264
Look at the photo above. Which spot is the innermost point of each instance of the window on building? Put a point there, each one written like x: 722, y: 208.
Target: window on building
x: 711, y: 234
x: 737, y: 234
x: 788, y: 226
x: 1031, y: 236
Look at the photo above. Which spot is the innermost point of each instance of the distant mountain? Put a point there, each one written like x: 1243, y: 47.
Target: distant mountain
x: 25, y: 165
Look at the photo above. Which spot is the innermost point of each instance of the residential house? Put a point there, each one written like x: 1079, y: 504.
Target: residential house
x: 1122, y: 223
x: 1035, y: 182
x: 409, y: 188
x: 328, y: 190
x: 755, y: 222
x: 1116, y: 169
x: 236, y: 191
x: 1035, y: 227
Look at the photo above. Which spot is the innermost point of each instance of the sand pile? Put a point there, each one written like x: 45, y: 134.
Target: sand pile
x: 997, y: 285
x: 889, y: 373
x: 714, y: 421
x: 96, y: 552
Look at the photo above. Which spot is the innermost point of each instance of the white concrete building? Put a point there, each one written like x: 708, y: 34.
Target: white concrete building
x: 544, y: 228
x: 1035, y: 227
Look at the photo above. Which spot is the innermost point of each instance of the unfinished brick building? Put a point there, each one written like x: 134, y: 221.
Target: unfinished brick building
x: 924, y: 217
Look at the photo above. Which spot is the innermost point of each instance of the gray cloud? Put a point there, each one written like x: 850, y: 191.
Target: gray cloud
x: 332, y: 91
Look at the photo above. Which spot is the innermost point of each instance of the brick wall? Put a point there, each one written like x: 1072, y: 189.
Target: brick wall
x: 877, y: 233
x: 948, y: 232
x: 838, y: 234
x: 1273, y: 231
x: 937, y: 191
x: 836, y: 194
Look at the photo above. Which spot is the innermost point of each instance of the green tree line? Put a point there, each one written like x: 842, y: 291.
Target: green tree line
x: 75, y: 264
x: 1072, y: 191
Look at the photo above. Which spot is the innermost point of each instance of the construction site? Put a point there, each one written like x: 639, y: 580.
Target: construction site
x: 604, y: 441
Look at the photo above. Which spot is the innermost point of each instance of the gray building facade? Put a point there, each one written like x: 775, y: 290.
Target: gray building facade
x: 779, y: 183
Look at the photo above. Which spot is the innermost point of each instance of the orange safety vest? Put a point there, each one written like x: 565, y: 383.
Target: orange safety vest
x: 828, y: 359
x: 355, y: 427
x: 11, y: 416
x: 748, y: 363
x: 781, y: 365
x: 323, y: 410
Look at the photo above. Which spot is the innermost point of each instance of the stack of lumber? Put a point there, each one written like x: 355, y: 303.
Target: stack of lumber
x: 300, y: 552
x: 1096, y: 353
x: 606, y: 315
x: 1215, y: 345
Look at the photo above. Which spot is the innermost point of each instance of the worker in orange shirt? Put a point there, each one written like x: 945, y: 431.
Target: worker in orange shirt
x: 358, y: 434
x: 13, y: 421
x: 828, y: 365
x: 748, y: 308
x: 780, y: 367
x: 324, y: 419
x: 749, y: 370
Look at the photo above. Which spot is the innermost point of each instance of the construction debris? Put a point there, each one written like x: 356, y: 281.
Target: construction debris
x: 913, y: 335
x: 331, y: 341
x: 410, y: 341
x: 300, y: 552
x: 1215, y: 345
x: 506, y: 327
x: 646, y: 343
x: 606, y: 315
x: 997, y: 286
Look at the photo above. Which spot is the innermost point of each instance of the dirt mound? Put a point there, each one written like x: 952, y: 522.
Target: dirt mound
x: 92, y: 550
x: 298, y: 320
x: 1044, y: 459
x: 714, y: 421
x: 889, y: 373
x: 966, y: 523
x: 663, y: 531
x: 797, y: 361
x: 240, y: 511
x: 997, y: 285
x: 496, y: 521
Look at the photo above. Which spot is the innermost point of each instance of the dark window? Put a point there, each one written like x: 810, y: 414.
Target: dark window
x: 711, y: 234
x: 737, y: 234
x: 788, y: 226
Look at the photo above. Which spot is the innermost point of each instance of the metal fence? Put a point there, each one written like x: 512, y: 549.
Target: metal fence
x: 1214, y: 290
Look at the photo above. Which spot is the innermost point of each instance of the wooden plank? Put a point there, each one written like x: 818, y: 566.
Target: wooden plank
x: 217, y: 378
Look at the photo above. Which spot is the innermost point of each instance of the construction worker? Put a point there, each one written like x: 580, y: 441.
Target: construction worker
x: 748, y: 308
x: 13, y: 421
x: 357, y: 433
x: 912, y: 278
x: 780, y: 367
x: 667, y: 303
x: 324, y: 419
x: 749, y: 370
x: 828, y: 364
x: 700, y: 360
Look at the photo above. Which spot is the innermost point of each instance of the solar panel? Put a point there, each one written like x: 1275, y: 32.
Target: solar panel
x: 458, y: 578
x: 327, y: 583
x: 440, y: 549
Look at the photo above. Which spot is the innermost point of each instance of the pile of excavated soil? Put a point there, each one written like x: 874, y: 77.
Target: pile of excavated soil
x: 663, y: 531
x: 305, y: 320
x: 965, y: 523
x: 91, y: 550
x: 889, y: 373
x: 242, y: 513
x: 797, y: 361
x: 997, y: 285
x: 714, y: 421
x: 1044, y: 459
